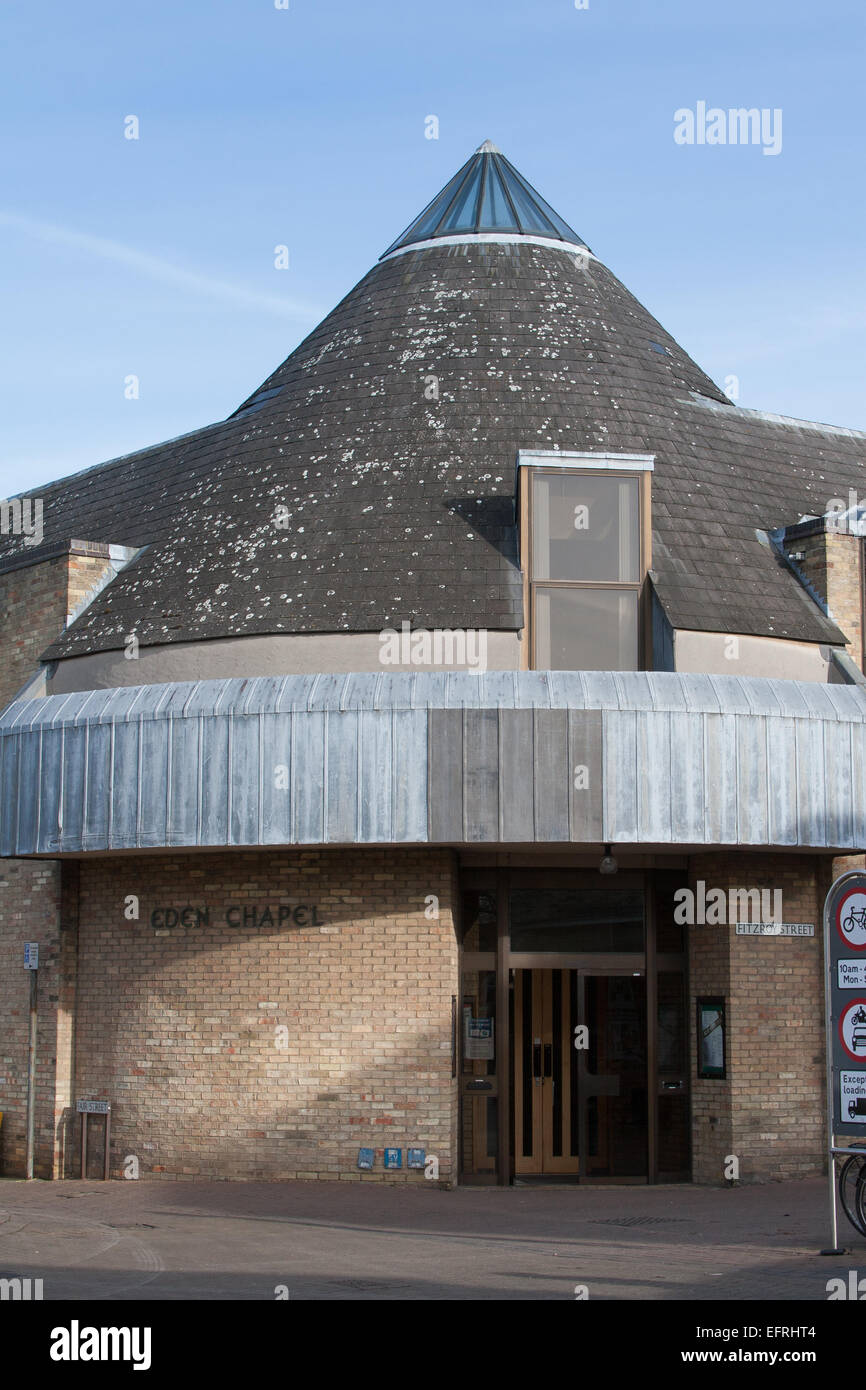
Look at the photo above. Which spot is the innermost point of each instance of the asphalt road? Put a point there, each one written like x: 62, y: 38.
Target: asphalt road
x: 259, y: 1241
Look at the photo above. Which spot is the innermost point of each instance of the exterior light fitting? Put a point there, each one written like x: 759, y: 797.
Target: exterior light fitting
x: 608, y: 864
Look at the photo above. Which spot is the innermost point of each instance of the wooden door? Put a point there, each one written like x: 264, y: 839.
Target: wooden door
x: 545, y: 1072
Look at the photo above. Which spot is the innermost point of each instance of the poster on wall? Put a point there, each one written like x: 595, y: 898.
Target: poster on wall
x: 711, y: 1038
x: 478, y: 1042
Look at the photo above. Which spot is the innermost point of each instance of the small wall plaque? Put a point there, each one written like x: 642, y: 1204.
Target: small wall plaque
x: 711, y: 1039
x: 775, y: 929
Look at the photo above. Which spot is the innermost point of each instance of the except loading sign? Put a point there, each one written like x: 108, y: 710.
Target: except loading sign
x: 852, y: 1097
x: 852, y: 1029
x: 851, y: 919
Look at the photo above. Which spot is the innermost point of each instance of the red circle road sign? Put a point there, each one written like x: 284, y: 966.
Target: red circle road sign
x: 851, y: 919
x: 852, y: 1029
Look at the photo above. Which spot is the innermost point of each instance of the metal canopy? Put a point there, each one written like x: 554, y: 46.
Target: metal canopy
x: 437, y: 758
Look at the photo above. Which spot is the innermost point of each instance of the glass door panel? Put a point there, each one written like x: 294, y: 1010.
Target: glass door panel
x: 545, y: 1097
x: 478, y: 1081
x: 674, y: 1130
x: 612, y: 1075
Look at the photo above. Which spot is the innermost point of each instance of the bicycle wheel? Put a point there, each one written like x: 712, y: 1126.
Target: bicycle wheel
x: 852, y: 1191
x: 860, y: 1196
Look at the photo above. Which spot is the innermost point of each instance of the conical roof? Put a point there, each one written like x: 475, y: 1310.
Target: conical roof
x: 387, y: 443
x: 487, y: 195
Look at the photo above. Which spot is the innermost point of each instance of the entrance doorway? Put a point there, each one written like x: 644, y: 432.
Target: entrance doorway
x: 580, y: 1073
x: 545, y: 953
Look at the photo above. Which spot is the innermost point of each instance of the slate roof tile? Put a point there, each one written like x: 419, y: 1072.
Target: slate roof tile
x: 401, y: 507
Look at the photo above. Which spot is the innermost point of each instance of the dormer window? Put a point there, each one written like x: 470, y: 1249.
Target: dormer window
x: 585, y: 541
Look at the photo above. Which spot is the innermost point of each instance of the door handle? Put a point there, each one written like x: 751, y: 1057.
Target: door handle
x: 548, y: 1059
x: 536, y: 1061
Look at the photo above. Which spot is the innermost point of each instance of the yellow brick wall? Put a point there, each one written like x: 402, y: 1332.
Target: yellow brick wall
x: 35, y: 895
x: 770, y: 1111
x: 34, y: 602
x: 32, y: 615
x: 844, y: 580
x: 31, y: 895
x: 182, y: 1030
x: 832, y: 561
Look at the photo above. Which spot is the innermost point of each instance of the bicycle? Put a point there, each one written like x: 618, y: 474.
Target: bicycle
x: 852, y: 1188
x: 856, y: 918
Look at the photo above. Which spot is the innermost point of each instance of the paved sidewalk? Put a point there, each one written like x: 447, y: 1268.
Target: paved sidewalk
x: 206, y: 1240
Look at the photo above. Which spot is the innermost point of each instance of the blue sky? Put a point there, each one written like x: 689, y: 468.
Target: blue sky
x: 306, y: 127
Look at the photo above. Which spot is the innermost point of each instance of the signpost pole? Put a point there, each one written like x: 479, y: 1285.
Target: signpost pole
x: 833, y: 1248
x: 31, y: 1079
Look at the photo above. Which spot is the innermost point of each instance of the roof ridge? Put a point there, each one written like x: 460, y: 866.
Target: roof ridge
x: 119, y: 458
x: 792, y: 421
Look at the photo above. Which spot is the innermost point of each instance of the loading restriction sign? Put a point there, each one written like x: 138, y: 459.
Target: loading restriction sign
x: 852, y: 1097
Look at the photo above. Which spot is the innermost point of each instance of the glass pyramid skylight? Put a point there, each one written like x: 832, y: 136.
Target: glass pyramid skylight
x: 487, y: 195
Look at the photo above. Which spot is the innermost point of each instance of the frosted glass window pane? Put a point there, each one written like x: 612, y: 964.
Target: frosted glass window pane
x: 586, y: 630
x: 586, y: 527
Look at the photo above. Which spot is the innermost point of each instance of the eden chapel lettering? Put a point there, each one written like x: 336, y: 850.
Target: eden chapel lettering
x: 240, y: 915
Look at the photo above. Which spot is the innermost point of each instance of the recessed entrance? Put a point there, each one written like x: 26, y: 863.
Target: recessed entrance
x: 571, y: 1047
x: 580, y: 1074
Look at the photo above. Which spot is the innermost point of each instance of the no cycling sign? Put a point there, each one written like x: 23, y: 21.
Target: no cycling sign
x: 845, y: 959
x: 850, y: 915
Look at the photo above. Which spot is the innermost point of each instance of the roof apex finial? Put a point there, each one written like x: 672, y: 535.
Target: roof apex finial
x: 488, y: 148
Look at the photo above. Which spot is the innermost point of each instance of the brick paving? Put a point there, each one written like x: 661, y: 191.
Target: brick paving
x: 219, y: 1240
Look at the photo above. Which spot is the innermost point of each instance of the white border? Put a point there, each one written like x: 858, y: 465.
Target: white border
x: 502, y: 238
x: 566, y: 458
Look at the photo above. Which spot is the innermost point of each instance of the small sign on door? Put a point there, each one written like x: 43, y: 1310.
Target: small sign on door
x: 478, y: 1043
